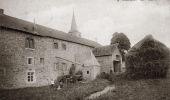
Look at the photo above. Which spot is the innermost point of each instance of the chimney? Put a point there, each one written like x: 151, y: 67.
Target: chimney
x: 1, y: 11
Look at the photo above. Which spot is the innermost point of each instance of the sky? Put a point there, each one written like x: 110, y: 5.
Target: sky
x: 97, y: 20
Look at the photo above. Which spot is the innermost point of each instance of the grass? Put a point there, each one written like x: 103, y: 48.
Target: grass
x: 144, y: 89
x: 76, y: 91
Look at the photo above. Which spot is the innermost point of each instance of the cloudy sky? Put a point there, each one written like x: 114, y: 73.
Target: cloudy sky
x: 98, y: 19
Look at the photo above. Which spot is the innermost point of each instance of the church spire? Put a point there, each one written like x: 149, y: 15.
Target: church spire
x: 73, y: 24
x: 74, y: 30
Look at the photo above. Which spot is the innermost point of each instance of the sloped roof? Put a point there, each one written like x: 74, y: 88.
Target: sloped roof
x: 90, y: 60
x: 28, y: 27
x: 105, y: 50
x: 139, y: 45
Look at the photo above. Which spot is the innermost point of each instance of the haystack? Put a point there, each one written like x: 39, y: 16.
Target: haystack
x: 149, y: 58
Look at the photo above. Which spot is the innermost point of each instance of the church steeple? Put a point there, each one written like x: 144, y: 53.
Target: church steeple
x: 74, y: 30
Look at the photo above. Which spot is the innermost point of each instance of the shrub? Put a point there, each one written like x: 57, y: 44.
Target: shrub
x: 60, y: 79
x: 79, y: 76
x: 112, y: 77
x: 104, y: 75
x: 79, y: 73
x: 69, y: 78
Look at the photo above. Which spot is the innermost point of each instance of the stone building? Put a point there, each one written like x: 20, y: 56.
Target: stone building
x: 91, y: 67
x: 109, y: 58
x: 34, y: 55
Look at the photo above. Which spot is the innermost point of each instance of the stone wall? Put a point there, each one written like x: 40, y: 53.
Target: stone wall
x: 91, y: 72
x: 106, y: 62
x: 14, y: 55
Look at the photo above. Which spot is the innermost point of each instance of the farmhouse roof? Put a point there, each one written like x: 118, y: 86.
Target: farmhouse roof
x: 139, y: 45
x: 90, y: 60
x: 105, y: 50
x: 35, y: 29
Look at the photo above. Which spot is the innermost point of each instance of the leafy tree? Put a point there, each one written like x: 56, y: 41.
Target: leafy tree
x: 123, y: 41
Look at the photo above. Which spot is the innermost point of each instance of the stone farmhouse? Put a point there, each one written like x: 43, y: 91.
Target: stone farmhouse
x: 109, y: 58
x: 32, y: 55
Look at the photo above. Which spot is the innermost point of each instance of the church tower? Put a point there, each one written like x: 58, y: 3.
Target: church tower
x: 74, y: 31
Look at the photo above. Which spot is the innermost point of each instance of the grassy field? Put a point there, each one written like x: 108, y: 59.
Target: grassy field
x: 76, y: 91
x: 148, y: 89
x: 145, y: 89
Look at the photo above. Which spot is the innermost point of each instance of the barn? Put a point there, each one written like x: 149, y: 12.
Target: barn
x: 109, y: 58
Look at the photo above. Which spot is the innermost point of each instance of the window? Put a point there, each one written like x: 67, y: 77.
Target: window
x: 64, y: 68
x: 87, y: 72
x: 29, y: 43
x: 118, y: 57
x: 30, y: 60
x: 63, y: 46
x: 41, y: 60
x: 56, y: 66
x: 2, y: 71
x: 56, y: 45
x: 111, y: 71
x: 31, y: 76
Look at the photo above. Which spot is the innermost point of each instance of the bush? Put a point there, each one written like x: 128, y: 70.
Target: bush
x: 61, y: 79
x: 104, y: 75
x: 79, y: 73
x: 148, y: 59
x: 70, y: 78
x: 112, y: 77
x: 79, y: 76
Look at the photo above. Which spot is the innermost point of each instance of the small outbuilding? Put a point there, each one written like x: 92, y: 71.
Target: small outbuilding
x: 149, y: 58
x: 90, y: 67
x: 109, y: 58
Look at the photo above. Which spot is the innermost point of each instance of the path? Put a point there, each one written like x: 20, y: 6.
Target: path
x: 99, y: 93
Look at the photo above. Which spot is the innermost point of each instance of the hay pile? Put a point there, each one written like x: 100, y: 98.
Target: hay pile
x: 149, y: 58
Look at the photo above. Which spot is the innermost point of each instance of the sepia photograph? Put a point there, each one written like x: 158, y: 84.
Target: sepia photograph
x: 84, y: 49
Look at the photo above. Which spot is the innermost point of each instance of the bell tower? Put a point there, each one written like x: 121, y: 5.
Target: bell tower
x: 74, y: 30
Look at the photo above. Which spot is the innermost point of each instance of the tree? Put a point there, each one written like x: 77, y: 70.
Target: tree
x: 123, y: 41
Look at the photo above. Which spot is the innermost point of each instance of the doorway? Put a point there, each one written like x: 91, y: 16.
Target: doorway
x: 116, y: 66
